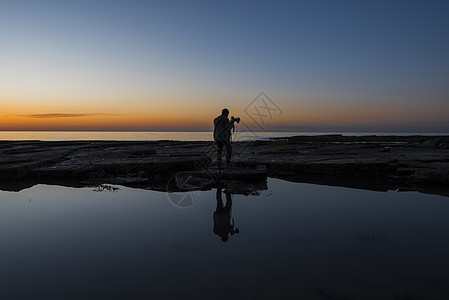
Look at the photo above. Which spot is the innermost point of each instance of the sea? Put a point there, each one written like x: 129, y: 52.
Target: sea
x: 169, y: 135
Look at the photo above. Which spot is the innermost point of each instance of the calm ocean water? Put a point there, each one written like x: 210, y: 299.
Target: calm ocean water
x: 156, y: 135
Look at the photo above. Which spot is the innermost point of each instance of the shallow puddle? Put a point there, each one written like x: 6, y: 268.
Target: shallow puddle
x: 293, y: 240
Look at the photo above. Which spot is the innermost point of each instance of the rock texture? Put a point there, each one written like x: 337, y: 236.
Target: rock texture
x: 370, y: 162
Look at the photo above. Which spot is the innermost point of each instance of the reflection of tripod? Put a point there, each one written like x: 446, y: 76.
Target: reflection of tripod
x: 222, y: 217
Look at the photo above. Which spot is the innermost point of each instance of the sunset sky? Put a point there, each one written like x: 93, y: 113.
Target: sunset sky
x: 173, y: 65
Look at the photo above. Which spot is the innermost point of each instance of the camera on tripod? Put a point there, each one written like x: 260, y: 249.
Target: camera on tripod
x: 235, y: 119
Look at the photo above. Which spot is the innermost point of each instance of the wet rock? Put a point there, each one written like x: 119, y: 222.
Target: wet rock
x: 127, y: 181
x: 106, y: 188
x: 431, y: 176
x: 441, y: 143
x: 238, y: 187
x: 387, y: 161
x: 193, y: 181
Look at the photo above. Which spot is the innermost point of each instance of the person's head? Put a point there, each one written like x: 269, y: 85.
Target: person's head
x: 225, y: 112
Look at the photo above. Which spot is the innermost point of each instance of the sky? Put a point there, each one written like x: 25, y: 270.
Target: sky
x: 173, y: 65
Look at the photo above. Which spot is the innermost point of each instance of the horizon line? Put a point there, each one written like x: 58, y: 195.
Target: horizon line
x: 333, y: 131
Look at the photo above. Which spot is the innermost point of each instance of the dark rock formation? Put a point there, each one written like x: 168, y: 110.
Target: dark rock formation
x: 371, y: 162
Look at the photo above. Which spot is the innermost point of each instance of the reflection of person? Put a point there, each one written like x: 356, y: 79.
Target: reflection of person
x: 222, y: 135
x: 222, y: 217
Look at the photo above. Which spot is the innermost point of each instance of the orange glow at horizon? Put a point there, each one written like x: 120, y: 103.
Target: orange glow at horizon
x: 198, y: 115
x: 100, y: 122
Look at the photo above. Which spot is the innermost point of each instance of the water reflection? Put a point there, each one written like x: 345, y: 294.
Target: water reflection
x: 223, y: 222
x: 301, y: 241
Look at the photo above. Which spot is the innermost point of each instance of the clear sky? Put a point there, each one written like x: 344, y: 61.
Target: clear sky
x: 173, y: 65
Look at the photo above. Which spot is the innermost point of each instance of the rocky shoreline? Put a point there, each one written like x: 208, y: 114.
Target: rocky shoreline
x: 417, y: 163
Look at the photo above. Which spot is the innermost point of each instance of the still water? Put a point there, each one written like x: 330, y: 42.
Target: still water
x: 294, y: 240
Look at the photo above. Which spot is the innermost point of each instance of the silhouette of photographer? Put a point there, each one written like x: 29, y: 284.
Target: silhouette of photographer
x: 222, y: 135
x: 223, y: 223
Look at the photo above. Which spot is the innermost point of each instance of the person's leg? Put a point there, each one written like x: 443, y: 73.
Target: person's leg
x: 228, y: 152
x: 228, y: 205
x: 219, y: 201
x: 219, y: 151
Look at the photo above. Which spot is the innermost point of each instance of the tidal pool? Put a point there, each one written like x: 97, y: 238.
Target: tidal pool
x: 293, y: 241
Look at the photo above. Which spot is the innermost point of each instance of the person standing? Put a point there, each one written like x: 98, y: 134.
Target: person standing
x: 222, y: 135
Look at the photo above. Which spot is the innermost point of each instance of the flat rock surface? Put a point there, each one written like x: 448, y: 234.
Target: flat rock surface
x: 373, y: 162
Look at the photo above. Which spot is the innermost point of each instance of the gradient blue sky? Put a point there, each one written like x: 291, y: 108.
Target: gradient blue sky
x: 172, y: 65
